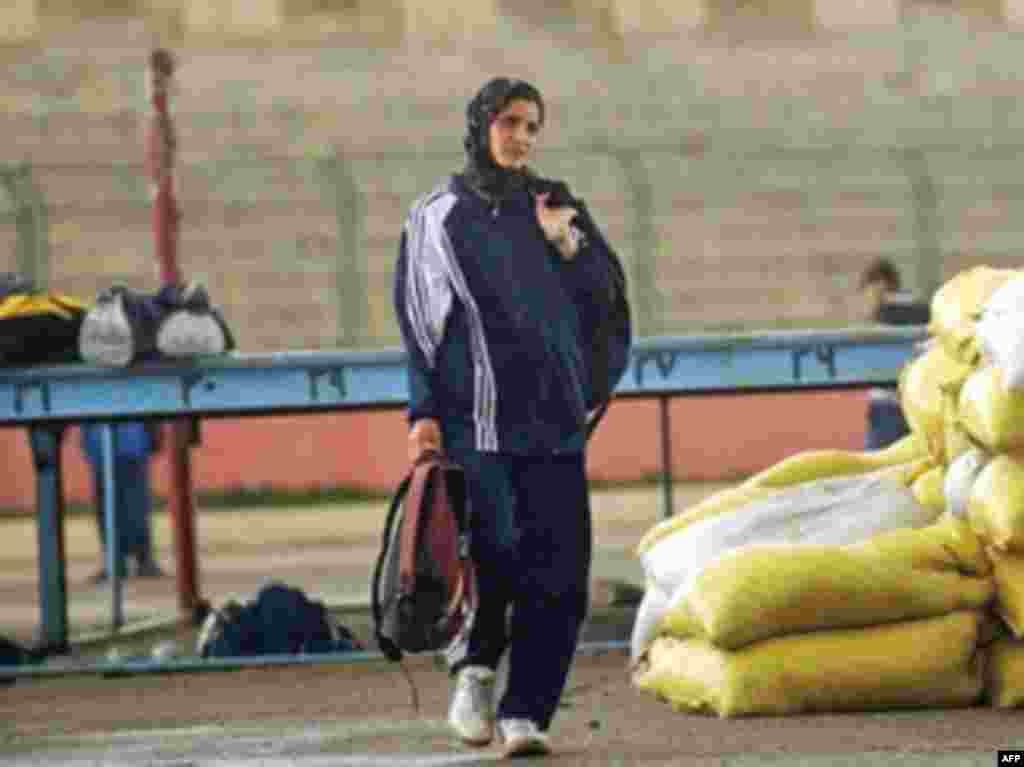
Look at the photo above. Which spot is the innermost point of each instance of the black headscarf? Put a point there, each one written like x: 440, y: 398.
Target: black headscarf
x: 482, y: 173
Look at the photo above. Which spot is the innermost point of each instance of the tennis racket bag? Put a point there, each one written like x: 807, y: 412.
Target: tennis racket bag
x: 424, y: 592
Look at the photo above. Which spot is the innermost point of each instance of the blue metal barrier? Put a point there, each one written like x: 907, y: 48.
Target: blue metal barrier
x: 46, y: 399
x: 303, y: 382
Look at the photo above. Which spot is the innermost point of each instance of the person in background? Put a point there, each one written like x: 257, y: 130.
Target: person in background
x: 513, y: 310
x: 136, y: 443
x: 884, y: 301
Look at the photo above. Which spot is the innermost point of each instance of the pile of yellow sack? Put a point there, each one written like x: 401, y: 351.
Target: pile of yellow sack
x: 931, y: 614
x: 978, y: 439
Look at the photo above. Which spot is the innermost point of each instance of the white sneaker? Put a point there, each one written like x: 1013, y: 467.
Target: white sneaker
x: 523, y: 738
x: 472, y: 711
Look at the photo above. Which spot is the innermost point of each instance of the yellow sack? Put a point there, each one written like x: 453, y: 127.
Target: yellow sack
x: 957, y: 305
x: 948, y: 545
x: 922, y: 383
x: 769, y: 590
x: 992, y: 414
x: 1008, y: 572
x: 910, y: 448
x: 928, y: 489
x: 931, y: 662
x: 956, y: 439
x: 800, y: 467
x: 831, y: 511
x: 995, y: 507
x: 1005, y: 674
x: 818, y: 464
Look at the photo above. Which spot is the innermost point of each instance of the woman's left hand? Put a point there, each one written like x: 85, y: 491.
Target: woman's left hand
x: 555, y: 222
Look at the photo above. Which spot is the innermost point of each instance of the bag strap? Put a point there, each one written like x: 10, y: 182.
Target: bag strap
x: 595, y: 419
x: 389, y: 648
x: 423, y: 471
x: 429, y: 474
x: 465, y: 589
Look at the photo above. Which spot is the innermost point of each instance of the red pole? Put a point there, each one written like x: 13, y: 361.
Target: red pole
x: 160, y: 151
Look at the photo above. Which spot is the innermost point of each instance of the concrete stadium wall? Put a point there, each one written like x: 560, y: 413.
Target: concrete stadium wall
x: 449, y: 22
x: 745, y: 183
x: 713, y: 438
x: 746, y: 173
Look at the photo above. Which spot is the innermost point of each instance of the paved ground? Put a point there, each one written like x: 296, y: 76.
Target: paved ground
x: 328, y: 551
x: 360, y: 714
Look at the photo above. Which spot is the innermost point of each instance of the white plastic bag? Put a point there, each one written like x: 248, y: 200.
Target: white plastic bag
x: 652, y: 608
x: 835, y: 510
x: 960, y: 478
x: 1000, y: 332
x: 1008, y: 298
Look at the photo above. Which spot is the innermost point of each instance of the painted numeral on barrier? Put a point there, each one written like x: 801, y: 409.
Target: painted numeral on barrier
x: 665, y: 362
x: 335, y: 379
x: 22, y: 389
x: 191, y: 380
x: 824, y: 354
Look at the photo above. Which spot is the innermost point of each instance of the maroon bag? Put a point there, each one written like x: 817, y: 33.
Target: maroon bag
x: 424, y: 584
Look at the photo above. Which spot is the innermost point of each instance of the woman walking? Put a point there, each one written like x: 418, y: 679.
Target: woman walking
x: 513, y: 311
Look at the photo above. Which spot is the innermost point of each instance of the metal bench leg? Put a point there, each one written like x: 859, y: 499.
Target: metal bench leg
x: 53, y: 596
x: 108, y: 444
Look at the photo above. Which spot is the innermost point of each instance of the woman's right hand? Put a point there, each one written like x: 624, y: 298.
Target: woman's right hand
x: 424, y: 435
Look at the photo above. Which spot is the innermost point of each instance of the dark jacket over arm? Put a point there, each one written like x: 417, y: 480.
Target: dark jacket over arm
x: 598, y: 283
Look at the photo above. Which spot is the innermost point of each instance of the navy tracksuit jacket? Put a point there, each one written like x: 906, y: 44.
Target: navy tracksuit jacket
x: 510, y: 346
x: 513, y: 349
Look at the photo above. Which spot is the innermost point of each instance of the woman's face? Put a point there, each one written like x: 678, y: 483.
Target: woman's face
x: 513, y: 133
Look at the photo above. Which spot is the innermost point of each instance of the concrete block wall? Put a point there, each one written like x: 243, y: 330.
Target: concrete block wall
x: 451, y: 23
x: 742, y: 183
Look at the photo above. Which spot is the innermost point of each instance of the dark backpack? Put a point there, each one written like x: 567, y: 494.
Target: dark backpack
x: 14, y: 654
x: 281, y: 620
x: 424, y: 584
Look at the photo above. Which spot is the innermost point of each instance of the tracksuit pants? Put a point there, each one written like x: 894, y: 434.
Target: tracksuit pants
x: 531, y: 542
x: 133, y: 504
x: 886, y: 424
